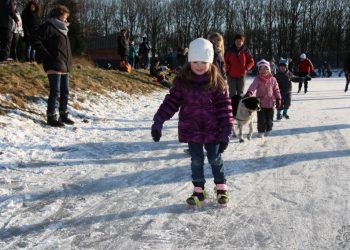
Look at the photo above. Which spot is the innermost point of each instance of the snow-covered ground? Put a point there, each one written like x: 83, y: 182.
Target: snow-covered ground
x: 105, y: 184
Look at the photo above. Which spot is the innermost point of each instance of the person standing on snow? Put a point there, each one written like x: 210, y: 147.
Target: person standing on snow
x: 267, y: 92
x: 53, y: 43
x: 305, y: 68
x: 238, y: 61
x: 205, y: 118
x: 7, y: 17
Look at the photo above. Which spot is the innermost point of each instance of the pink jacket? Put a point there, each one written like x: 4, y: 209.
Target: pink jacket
x: 266, y: 90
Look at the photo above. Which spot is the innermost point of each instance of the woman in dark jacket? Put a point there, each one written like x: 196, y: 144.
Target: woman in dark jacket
x: 123, y: 45
x: 53, y: 43
x: 31, y: 22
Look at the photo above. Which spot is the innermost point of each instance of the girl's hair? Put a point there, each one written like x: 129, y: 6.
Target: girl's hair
x: 30, y: 3
x: 58, y: 11
x: 215, y: 80
x: 218, y: 42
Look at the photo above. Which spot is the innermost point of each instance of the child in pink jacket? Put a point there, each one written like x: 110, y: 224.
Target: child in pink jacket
x: 268, y: 93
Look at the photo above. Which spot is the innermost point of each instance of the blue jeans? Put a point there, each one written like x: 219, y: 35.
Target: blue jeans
x: 214, y: 159
x: 59, y: 84
x: 30, y: 53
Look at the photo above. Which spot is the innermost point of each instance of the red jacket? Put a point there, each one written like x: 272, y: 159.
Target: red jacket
x: 238, y: 62
x: 305, y: 66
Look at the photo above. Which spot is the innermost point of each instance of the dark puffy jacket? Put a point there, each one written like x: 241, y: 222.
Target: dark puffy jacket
x: 284, y: 81
x: 54, y: 47
x: 204, y: 117
x: 7, y: 13
x: 31, y: 22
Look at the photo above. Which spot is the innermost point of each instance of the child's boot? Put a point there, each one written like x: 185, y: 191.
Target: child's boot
x: 279, y: 116
x: 285, y: 115
x: 198, y: 198
x: 221, y: 194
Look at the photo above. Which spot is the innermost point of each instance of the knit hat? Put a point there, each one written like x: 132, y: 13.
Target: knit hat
x: 303, y: 56
x: 264, y: 63
x: 283, y: 61
x: 201, y: 50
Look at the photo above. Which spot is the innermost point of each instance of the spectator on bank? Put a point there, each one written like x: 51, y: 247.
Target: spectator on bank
x: 52, y: 40
x: 7, y: 17
x: 17, y: 35
x: 144, y: 53
x: 132, y: 54
x: 123, y: 45
x: 31, y: 22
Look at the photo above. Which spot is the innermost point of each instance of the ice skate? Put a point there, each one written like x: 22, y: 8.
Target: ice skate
x: 221, y: 194
x: 197, y: 199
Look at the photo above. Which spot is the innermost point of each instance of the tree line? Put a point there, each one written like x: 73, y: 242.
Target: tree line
x: 320, y: 28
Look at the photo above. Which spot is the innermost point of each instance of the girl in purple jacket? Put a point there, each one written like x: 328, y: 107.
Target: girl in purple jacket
x: 205, y: 117
x: 267, y: 91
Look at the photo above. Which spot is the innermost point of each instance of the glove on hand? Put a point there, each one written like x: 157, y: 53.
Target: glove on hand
x: 156, y: 132
x: 222, y: 147
x: 248, y: 94
x: 278, y: 103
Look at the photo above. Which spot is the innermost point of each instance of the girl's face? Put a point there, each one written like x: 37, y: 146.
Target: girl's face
x: 32, y: 7
x: 199, y: 68
x: 263, y: 70
x: 63, y: 18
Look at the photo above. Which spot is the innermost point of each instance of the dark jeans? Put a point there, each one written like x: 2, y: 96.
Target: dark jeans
x: 197, y: 163
x: 305, y: 82
x: 347, y: 76
x: 5, y: 43
x: 30, y: 52
x: 265, y: 119
x: 59, y: 84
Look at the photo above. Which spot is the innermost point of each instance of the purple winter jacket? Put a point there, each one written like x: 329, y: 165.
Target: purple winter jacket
x: 204, y: 117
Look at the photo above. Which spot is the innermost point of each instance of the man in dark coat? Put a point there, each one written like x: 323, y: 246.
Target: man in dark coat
x: 7, y: 16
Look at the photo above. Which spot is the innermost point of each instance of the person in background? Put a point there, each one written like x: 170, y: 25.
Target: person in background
x: 123, y: 45
x: 273, y: 66
x: 305, y: 68
x: 205, y: 118
x: 285, y: 78
x: 144, y: 53
x: 267, y: 91
x: 159, y: 73
x: 132, y: 54
x: 238, y: 61
x: 17, y: 35
x: 31, y: 22
x: 52, y: 40
x: 218, y: 43
x: 7, y: 18
x: 346, y: 69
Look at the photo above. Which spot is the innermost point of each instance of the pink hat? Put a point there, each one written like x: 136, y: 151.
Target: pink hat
x: 264, y: 63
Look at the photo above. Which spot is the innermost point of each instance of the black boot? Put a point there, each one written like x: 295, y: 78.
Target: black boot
x: 64, y: 118
x: 53, y: 121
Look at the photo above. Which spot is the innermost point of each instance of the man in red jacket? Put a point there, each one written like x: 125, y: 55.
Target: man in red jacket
x: 238, y: 61
x: 305, y: 68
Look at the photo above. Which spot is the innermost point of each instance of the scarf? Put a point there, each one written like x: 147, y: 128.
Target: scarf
x: 61, y: 26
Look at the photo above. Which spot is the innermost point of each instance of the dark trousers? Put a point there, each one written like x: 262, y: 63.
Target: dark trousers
x: 5, y: 43
x: 59, y: 84
x: 265, y: 119
x: 301, y: 83
x: 347, y: 76
x: 197, y: 163
x: 235, y: 85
